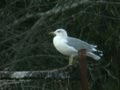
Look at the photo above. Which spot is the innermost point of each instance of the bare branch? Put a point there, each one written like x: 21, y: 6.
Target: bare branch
x: 59, y: 73
x: 55, y: 10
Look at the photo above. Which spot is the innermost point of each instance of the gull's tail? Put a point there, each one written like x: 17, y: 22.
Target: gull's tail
x: 92, y: 55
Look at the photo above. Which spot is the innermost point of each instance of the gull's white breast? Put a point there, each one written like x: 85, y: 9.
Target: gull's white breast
x: 60, y: 44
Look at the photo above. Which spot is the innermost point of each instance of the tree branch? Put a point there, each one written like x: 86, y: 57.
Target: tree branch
x: 57, y: 9
x: 60, y: 73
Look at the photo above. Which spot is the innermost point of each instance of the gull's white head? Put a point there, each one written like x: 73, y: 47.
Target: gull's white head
x: 60, y: 32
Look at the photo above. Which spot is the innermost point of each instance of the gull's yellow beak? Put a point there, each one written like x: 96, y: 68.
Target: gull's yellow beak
x: 51, y: 33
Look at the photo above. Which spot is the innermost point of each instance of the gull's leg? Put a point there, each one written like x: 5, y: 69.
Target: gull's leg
x: 71, y: 60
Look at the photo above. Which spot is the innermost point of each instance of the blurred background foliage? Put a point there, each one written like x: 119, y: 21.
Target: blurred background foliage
x: 26, y: 45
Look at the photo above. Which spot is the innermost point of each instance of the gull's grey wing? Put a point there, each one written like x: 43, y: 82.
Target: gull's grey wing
x: 79, y: 44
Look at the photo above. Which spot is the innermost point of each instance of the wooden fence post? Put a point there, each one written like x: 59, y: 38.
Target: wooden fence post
x: 83, y: 69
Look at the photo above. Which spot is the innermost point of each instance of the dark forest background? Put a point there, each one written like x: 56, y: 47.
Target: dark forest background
x: 25, y: 44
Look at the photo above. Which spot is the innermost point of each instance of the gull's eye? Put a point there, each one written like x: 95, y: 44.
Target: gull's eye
x: 58, y: 31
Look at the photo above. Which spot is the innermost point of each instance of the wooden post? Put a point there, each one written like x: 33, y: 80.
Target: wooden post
x: 83, y: 69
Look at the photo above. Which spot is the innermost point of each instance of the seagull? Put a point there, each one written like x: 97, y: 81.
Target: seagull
x: 69, y: 46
